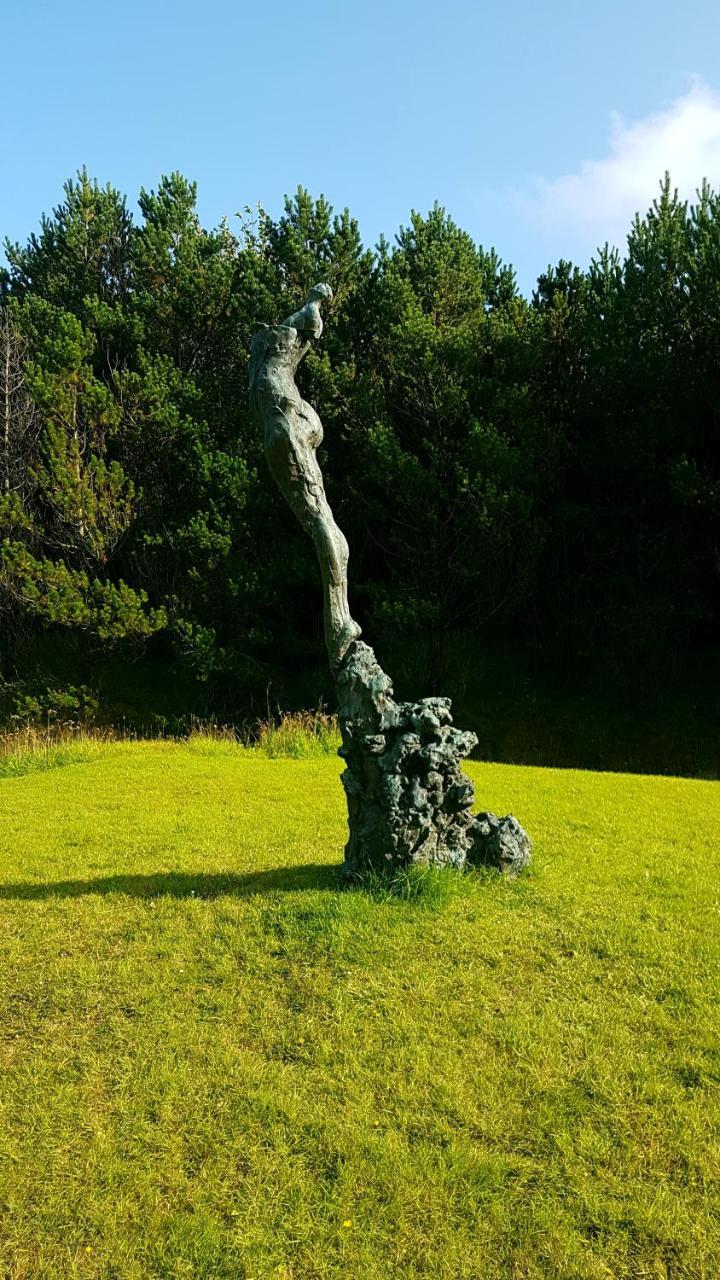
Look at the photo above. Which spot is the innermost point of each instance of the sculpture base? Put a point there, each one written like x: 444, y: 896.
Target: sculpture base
x: 408, y: 799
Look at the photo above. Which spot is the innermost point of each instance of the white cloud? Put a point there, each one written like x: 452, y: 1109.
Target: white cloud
x: 599, y: 202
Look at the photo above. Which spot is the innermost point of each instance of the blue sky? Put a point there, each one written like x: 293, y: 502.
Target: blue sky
x: 540, y: 127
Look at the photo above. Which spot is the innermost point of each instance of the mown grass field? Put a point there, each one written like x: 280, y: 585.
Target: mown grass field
x: 217, y: 1063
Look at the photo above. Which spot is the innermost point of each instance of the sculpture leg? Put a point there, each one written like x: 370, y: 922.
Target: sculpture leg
x: 300, y: 481
x: 332, y: 553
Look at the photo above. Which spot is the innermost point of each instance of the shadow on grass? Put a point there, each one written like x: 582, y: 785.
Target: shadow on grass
x: 178, y: 884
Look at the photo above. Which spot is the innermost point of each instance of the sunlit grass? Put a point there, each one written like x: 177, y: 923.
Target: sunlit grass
x: 31, y: 750
x: 216, y: 1062
x: 304, y: 734
x: 298, y: 735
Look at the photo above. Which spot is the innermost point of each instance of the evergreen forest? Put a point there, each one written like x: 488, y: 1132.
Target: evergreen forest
x: 530, y: 486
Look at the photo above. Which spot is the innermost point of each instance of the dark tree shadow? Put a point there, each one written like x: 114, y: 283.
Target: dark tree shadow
x: 179, y: 884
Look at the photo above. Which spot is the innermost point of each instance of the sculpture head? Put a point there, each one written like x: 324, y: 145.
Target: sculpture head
x: 320, y: 293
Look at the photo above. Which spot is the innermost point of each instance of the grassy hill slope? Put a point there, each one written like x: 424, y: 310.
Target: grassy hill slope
x: 216, y: 1063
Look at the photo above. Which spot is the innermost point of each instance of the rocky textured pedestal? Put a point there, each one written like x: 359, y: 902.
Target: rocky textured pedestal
x: 408, y: 799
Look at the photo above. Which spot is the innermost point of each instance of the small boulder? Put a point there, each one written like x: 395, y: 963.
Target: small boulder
x: 499, y: 842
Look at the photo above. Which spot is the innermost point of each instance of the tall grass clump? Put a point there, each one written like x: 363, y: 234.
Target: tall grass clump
x: 33, y: 750
x: 299, y: 735
x: 206, y: 738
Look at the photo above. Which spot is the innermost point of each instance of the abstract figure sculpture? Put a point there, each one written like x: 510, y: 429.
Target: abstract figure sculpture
x: 408, y: 799
x: 293, y: 431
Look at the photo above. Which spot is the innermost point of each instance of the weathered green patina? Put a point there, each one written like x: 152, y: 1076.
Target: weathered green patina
x: 408, y: 798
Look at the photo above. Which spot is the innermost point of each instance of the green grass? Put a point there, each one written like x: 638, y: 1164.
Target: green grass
x: 299, y: 736
x: 31, y: 751
x: 216, y: 1063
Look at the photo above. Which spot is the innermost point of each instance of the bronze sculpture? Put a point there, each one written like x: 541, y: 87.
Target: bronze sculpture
x: 408, y: 798
x: 293, y: 432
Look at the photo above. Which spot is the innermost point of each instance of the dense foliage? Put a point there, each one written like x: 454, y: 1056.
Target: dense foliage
x: 547, y: 469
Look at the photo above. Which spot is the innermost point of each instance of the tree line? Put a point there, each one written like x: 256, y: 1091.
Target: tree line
x: 546, y: 469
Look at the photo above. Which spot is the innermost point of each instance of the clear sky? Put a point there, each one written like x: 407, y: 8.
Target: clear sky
x: 541, y: 127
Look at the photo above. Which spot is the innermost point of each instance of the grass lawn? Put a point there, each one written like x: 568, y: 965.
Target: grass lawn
x: 216, y: 1063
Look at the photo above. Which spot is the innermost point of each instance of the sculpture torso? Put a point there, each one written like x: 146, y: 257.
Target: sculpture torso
x: 275, y: 355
